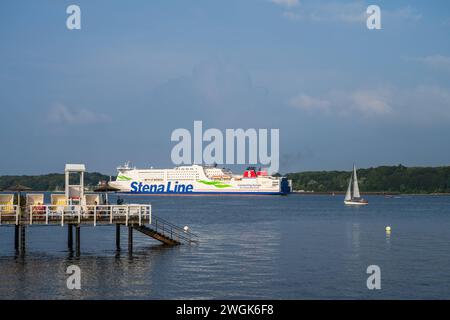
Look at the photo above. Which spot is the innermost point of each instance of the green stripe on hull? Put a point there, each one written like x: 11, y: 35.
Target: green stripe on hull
x: 217, y: 184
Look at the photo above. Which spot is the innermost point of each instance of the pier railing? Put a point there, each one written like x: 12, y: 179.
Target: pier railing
x: 77, y: 214
x: 172, y: 231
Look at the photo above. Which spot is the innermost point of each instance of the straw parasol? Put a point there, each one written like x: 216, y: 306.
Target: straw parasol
x: 18, y: 188
x: 105, y: 187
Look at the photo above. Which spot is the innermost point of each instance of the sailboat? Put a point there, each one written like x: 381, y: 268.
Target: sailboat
x: 352, y: 197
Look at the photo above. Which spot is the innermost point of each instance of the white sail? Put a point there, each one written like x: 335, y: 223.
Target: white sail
x: 355, y: 184
x: 348, y: 195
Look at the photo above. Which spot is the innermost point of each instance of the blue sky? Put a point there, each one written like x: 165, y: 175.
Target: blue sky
x: 137, y: 70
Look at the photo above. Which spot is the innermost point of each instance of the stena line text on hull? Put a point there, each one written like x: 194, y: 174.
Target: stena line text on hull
x: 139, y: 187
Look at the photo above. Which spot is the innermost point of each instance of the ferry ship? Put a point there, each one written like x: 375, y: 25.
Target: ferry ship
x: 198, y: 179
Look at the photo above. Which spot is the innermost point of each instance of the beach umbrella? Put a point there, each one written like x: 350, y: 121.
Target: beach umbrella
x: 18, y: 188
x: 105, y: 187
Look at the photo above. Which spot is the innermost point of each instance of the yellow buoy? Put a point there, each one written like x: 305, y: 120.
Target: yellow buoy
x: 388, y: 229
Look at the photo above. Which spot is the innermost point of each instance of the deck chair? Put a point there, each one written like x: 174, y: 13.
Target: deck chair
x: 6, y: 206
x: 59, y: 202
x: 37, y: 201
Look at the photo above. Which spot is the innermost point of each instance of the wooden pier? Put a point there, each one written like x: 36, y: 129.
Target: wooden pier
x: 133, y: 216
x: 75, y: 208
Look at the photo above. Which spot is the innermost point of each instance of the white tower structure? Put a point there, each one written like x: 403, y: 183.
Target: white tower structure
x: 74, y: 192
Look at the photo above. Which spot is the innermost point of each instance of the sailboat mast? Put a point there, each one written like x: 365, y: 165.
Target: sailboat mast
x: 355, y: 184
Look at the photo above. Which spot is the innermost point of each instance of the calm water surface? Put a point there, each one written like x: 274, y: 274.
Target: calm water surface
x: 295, y: 247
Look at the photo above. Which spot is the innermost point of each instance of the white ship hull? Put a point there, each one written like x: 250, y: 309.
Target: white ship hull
x: 191, y: 180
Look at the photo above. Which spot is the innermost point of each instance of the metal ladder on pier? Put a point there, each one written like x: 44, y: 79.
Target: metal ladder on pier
x: 166, y: 232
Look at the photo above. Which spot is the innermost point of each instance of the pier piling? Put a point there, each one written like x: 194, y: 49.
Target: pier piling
x: 16, y: 237
x: 130, y: 238
x: 69, y: 237
x: 22, y: 239
x: 77, y: 239
x: 118, y: 237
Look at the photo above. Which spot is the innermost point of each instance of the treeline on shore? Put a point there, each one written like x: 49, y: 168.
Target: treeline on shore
x: 48, y: 182
x: 395, y: 179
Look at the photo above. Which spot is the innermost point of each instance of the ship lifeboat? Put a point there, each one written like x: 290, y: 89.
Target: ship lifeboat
x: 221, y: 178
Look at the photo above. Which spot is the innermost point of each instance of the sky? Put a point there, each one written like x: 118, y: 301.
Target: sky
x: 136, y: 70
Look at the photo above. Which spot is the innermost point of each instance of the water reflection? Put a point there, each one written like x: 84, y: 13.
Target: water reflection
x: 44, y: 276
x: 388, y: 239
x: 250, y: 248
x: 356, y: 244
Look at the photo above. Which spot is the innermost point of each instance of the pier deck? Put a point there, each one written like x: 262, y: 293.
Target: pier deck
x: 76, y: 214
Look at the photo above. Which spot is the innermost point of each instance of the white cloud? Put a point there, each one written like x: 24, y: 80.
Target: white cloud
x: 422, y: 104
x: 329, y: 12
x: 346, y: 12
x: 363, y: 102
x: 64, y: 115
x: 306, y: 102
x: 436, y: 61
x: 428, y: 102
x: 217, y: 90
x: 404, y: 13
x: 371, y: 102
x: 286, y: 3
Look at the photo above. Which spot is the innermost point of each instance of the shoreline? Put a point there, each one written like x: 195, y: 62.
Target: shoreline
x: 304, y: 193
